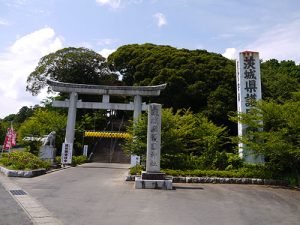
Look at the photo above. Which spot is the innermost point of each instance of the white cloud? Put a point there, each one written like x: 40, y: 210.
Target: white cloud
x: 3, y: 22
x: 230, y: 53
x: 160, y: 19
x: 115, y: 4
x: 106, y: 52
x: 17, y: 62
x: 106, y: 41
x: 281, y: 42
x: 111, y: 3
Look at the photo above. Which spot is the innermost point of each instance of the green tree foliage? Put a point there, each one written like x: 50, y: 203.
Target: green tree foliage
x: 73, y: 65
x: 277, y: 138
x: 42, y: 122
x: 3, y: 128
x: 280, y: 80
x: 16, y: 120
x: 196, y: 79
x: 184, y: 134
x: 94, y: 121
x: 23, y: 114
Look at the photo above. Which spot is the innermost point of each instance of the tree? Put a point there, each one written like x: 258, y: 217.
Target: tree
x: 280, y: 79
x: 3, y: 129
x: 73, y: 65
x: 277, y: 138
x: 183, y: 134
x: 42, y: 122
x: 195, y: 78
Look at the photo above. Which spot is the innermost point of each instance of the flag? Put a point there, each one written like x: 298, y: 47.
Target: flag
x: 10, y: 138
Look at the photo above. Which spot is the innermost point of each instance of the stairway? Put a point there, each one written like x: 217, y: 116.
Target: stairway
x: 108, y: 150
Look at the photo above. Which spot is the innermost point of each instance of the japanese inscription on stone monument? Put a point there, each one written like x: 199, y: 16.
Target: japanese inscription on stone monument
x: 153, y: 138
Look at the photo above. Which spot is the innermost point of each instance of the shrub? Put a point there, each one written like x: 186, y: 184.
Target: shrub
x: 216, y: 161
x: 234, y: 160
x: 76, y: 160
x: 136, y: 170
x: 220, y: 161
x: 22, y: 160
x: 242, y: 172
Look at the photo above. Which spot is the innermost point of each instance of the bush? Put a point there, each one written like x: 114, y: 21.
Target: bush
x: 242, y: 172
x: 181, y: 161
x: 76, y: 160
x: 22, y: 160
x: 216, y: 161
x: 220, y: 161
x: 136, y: 170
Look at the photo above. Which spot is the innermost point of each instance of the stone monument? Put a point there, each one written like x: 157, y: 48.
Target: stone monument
x: 48, y: 150
x: 152, y: 178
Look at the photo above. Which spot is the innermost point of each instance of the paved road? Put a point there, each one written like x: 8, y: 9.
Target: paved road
x: 10, y: 212
x: 97, y: 194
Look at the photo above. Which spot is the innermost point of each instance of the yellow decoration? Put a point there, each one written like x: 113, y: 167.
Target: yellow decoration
x: 104, y: 134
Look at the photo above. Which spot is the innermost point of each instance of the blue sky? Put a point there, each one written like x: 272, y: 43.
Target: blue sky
x: 30, y: 29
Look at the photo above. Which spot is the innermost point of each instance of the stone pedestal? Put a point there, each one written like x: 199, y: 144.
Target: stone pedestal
x: 47, y: 153
x: 153, y: 184
x: 152, y: 176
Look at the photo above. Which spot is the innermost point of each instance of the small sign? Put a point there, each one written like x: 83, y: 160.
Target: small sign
x: 135, y: 160
x: 85, y: 150
x: 66, y: 153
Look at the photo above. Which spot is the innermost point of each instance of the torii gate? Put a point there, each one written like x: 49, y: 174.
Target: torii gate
x: 73, y: 103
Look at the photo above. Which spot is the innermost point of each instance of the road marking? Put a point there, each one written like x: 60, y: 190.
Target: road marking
x: 38, y: 214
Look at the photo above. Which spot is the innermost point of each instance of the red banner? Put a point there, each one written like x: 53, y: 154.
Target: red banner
x: 10, y: 139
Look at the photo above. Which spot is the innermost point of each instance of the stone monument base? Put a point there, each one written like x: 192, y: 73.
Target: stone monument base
x: 153, y: 184
x: 153, y: 175
x: 48, y: 153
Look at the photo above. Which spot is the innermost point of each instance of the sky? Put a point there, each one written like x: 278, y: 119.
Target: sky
x: 31, y: 29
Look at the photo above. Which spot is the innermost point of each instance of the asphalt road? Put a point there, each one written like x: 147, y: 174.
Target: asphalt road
x: 96, y: 194
x: 10, y: 212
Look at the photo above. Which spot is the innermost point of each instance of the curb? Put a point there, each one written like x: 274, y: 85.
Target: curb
x: 36, y: 212
x: 22, y: 173
x: 218, y: 180
x: 58, y: 169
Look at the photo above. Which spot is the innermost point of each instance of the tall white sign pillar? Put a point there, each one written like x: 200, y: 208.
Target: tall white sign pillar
x: 248, y: 91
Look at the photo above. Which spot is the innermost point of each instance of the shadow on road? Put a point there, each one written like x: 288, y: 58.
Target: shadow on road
x: 102, y: 167
x: 187, y: 188
x: 285, y: 187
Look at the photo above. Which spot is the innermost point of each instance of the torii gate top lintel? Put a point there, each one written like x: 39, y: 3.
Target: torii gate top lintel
x: 106, y: 90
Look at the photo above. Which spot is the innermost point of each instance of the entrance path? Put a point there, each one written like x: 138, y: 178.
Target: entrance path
x: 96, y: 193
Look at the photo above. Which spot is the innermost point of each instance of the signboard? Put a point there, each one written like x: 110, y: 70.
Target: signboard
x: 135, y: 160
x: 85, y: 150
x: 66, y: 153
x: 248, y: 92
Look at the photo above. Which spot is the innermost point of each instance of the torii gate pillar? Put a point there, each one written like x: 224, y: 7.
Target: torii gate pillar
x: 137, y: 107
x: 69, y: 138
